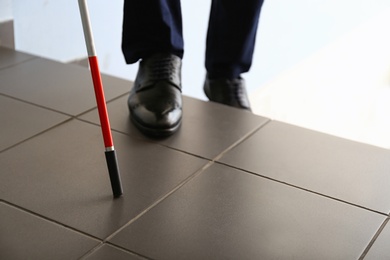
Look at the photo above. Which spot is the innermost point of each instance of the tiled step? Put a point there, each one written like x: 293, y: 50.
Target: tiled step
x: 227, y: 184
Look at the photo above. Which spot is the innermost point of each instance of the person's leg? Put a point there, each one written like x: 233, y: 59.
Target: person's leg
x: 229, y: 51
x: 151, y: 27
x: 231, y: 37
x: 152, y: 33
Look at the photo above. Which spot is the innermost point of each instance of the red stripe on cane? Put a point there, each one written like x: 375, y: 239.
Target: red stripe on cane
x: 100, y: 100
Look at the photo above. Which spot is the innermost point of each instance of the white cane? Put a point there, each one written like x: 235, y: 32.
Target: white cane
x: 110, y: 153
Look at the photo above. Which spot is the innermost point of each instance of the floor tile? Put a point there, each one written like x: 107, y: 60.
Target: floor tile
x: 207, y: 128
x: 380, y: 249
x: 63, y: 87
x: 227, y: 214
x: 21, y: 120
x: 25, y: 236
x: 62, y: 175
x: 109, y: 252
x: 10, y: 57
x: 347, y: 170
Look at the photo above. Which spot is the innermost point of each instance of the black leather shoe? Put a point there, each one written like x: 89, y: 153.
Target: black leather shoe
x: 155, y: 101
x: 227, y: 92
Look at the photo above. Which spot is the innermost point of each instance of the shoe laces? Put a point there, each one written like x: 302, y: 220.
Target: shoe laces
x: 163, y: 69
x: 238, y: 90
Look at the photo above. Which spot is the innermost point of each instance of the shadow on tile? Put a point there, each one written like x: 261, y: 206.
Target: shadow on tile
x: 207, y: 128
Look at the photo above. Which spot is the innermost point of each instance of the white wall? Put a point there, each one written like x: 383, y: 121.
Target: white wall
x: 5, y: 10
x: 53, y: 29
x: 48, y: 28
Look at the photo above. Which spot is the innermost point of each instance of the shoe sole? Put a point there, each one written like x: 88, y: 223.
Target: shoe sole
x: 153, y: 132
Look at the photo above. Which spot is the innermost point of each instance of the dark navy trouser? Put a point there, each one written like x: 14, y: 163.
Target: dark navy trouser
x: 151, y: 26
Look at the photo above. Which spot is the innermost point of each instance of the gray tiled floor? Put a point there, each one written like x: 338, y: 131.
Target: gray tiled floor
x: 228, y: 185
x: 228, y: 214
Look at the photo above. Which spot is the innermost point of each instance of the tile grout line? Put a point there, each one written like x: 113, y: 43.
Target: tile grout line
x: 21, y: 62
x: 61, y: 112
x: 156, y: 142
x: 52, y: 221
x: 159, y: 200
x: 240, y: 140
x: 146, y: 140
x: 37, y: 134
x: 305, y: 189
x: 128, y: 251
x: 98, y: 247
x: 374, y: 238
x: 95, y: 107
x: 36, y: 105
x: 71, y: 117
x: 216, y: 157
x: 92, y: 250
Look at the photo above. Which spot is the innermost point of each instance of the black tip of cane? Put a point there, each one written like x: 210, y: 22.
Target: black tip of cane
x: 113, y: 170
